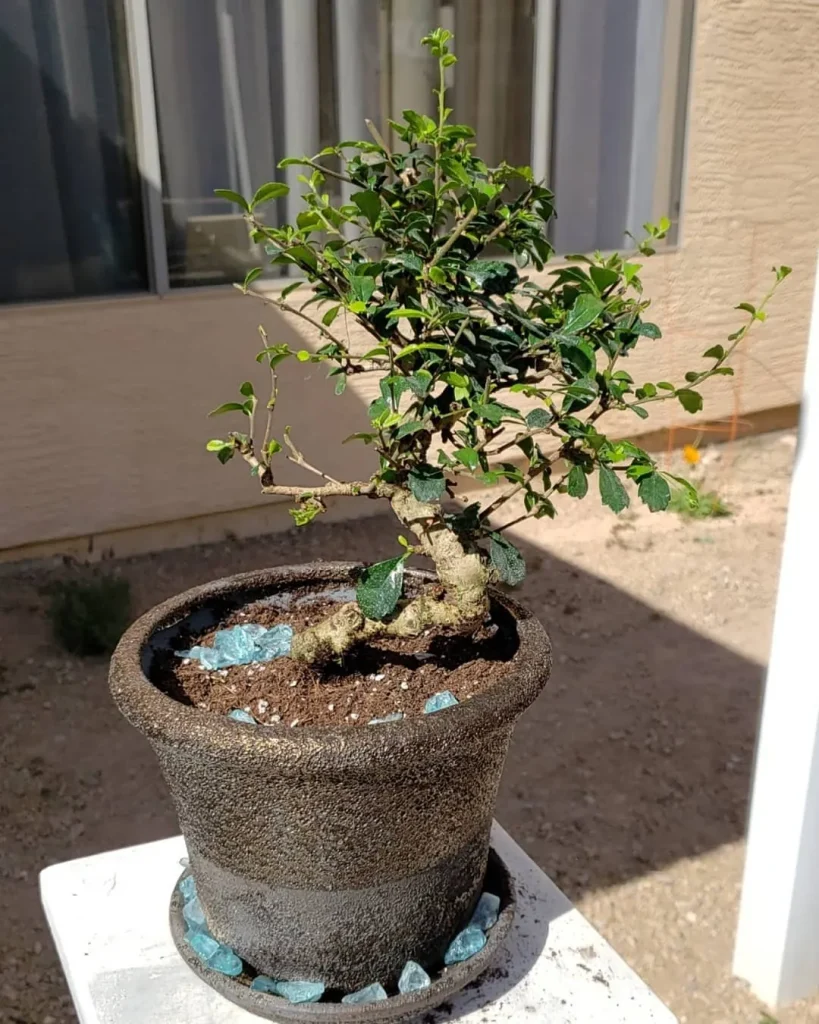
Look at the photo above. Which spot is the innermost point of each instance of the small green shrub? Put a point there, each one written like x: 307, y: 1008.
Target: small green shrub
x: 88, y: 616
x: 706, y: 505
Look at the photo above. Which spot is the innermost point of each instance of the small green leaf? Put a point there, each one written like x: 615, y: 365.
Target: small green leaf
x: 494, y: 412
x: 303, y: 355
x: 782, y: 272
x: 424, y: 346
x: 369, y: 204
x: 427, y: 483
x: 577, y: 483
x: 648, y: 330
x: 724, y: 371
x: 419, y: 382
x: 654, y: 492
x: 507, y: 560
x: 272, y: 190
x: 690, y: 400
x: 380, y: 588
x: 603, y: 277
x: 232, y: 197
x: 217, y: 445
x: 640, y: 411
x: 362, y: 287
x: 408, y: 314
x: 611, y: 490
x: 537, y: 419
x: 251, y: 276
x: 273, y: 446
x: 494, y: 277
x: 330, y: 315
x: 407, y: 429
x: 665, y: 386
x: 747, y: 307
x: 469, y: 457
x: 716, y: 352
x: 586, y: 309
x: 246, y: 389
x: 341, y: 384
x: 228, y: 407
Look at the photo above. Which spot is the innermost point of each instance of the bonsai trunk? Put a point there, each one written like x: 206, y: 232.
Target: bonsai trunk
x: 462, y: 606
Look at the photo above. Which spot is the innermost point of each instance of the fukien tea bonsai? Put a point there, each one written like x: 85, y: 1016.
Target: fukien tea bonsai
x: 427, y: 257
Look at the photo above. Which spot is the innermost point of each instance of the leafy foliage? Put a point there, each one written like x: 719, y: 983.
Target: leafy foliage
x: 88, y: 616
x: 441, y: 259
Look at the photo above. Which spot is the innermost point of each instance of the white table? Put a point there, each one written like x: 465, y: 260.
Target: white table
x: 109, y: 918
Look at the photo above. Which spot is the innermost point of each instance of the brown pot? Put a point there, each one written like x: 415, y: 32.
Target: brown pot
x: 329, y: 853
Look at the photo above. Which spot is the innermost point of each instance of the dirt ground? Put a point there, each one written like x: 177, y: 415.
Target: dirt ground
x: 627, y: 781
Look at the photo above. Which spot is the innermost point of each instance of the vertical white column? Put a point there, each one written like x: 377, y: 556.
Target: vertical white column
x: 301, y: 89
x: 357, y: 58
x: 777, y: 946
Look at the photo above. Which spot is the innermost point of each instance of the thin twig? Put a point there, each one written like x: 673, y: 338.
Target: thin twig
x: 298, y: 458
x: 459, y: 229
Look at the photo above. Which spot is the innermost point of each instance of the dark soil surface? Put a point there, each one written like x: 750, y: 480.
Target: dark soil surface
x: 374, y: 681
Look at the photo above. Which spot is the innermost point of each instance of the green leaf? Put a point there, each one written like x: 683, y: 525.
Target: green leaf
x: 369, y: 204
x: 419, y: 382
x: 362, y: 287
x: 406, y: 429
x: 494, y: 277
x: 437, y: 275
x: 273, y: 446
x: 228, y: 407
x: 409, y: 314
x: 747, y: 307
x: 272, y: 190
x: 690, y: 400
x: 585, y: 388
x: 611, y: 490
x: 665, y: 385
x: 537, y: 419
x: 427, y: 483
x: 586, y: 309
x: 424, y: 346
x: 654, y: 492
x: 603, y: 277
x: 507, y: 560
x: 469, y: 457
x: 232, y: 197
x: 303, y: 355
x: 341, y: 384
x: 217, y: 445
x: 577, y: 483
x: 640, y: 411
x: 246, y: 389
x: 494, y: 412
x: 724, y: 371
x: 716, y: 352
x: 648, y: 330
x: 330, y: 315
x: 380, y: 588
x: 251, y: 276
x: 782, y: 272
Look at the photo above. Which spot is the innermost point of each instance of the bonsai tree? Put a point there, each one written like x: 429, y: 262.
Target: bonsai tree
x: 427, y: 257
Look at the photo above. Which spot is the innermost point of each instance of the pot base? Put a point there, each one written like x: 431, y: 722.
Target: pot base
x: 397, y: 1008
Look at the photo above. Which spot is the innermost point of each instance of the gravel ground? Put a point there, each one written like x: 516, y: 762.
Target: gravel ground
x: 627, y: 781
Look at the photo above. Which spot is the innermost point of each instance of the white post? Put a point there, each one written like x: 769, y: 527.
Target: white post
x: 542, y: 89
x: 301, y: 92
x: 777, y: 947
x: 414, y: 72
x: 356, y: 38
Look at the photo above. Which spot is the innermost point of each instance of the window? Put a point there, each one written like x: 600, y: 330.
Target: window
x: 591, y: 93
x: 71, y: 212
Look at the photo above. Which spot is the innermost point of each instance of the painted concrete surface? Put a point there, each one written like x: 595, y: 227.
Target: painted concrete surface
x: 109, y: 918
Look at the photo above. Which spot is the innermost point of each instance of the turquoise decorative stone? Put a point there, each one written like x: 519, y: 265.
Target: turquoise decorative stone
x: 300, y: 991
x: 194, y: 915
x: 202, y: 944
x: 241, y: 645
x: 225, y: 961
x: 465, y: 945
x: 394, y: 716
x: 261, y: 983
x: 374, y: 993
x: 238, y: 715
x: 439, y: 701
x: 486, y: 912
x: 187, y: 888
x: 413, y: 978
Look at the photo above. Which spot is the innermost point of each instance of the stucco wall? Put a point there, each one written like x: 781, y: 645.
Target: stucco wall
x: 102, y: 404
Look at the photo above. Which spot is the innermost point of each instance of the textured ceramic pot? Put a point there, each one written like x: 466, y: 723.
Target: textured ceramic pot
x: 332, y: 853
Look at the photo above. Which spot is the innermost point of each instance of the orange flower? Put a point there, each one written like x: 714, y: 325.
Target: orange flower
x: 691, y: 454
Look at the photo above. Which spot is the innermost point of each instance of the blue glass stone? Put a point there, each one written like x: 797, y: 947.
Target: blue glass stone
x: 465, y: 944
x: 439, y: 701
x: 208, y: 657
x: 187, y: 888
x: 202, y: 944
x: 194, y: 915
x: 374, y: 993
x: 413, y: 978
x: 274, y: 644
x: 394, y: 716
x: 238, y: 645
x: 300, y: 991
x: 261, y: 983
x: 238, y: 715
x: 486, y: 912
x: 225, y: 961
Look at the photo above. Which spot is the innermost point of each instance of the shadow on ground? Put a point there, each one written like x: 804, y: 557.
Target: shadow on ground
x: 637, y: 754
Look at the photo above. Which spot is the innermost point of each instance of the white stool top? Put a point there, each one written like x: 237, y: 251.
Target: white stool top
x: 109, y: 918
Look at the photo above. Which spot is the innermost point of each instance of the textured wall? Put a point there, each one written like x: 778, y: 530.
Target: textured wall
x: 102, y: 403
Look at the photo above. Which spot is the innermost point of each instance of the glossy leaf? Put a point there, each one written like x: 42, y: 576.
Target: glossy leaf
x: 380, y: 588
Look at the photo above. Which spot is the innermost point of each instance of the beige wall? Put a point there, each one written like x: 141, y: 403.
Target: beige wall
x: 102, y: 404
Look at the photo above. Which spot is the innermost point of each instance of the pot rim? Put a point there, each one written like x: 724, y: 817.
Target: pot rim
x: 323, y: 747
